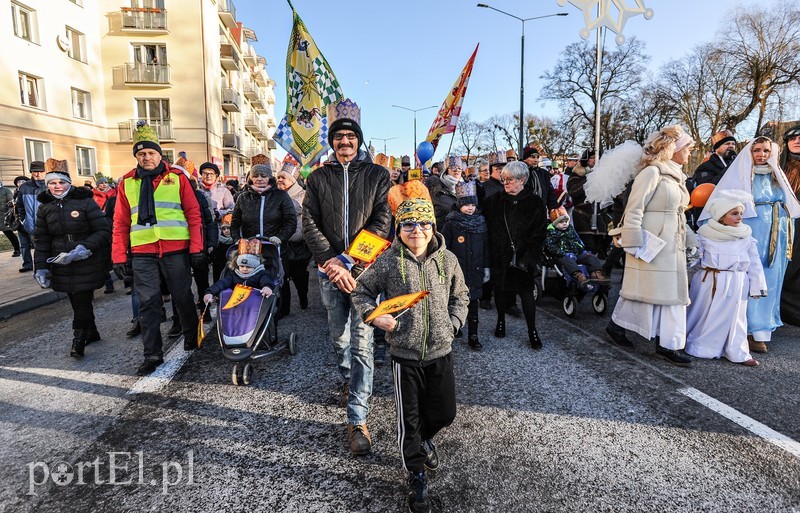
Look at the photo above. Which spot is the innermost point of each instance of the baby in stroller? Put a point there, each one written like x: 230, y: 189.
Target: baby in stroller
x: 248, y: 270
x: 565, y: 245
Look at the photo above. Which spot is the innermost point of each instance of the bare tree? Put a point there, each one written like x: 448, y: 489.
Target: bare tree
x: 764, y: 45
x: 469, y: 134
x: 503, y: 131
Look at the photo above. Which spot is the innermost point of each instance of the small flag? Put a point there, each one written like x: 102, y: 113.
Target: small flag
x: 447, y: 117
x: 239, y: 295
x: 415, y: 174
x: 396, y: 304
x: 367, y: 246
x: 201, y: 333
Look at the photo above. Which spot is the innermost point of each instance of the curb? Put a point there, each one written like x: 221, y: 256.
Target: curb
x: 29, y: 303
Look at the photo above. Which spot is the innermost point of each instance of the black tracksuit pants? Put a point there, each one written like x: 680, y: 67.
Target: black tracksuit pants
x: 425, y: 400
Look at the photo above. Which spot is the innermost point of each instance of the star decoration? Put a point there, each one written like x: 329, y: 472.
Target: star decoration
x: 614, y: 22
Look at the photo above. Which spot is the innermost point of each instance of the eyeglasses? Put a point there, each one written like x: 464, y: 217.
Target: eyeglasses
x: 338, y: 136
x: 209, y: 174
x: 409, y: 226
x: 507, y: 180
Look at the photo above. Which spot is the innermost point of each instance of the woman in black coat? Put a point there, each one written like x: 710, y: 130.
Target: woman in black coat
x: 263, y: 210
x: 517, y: 221
x: 72, y: 240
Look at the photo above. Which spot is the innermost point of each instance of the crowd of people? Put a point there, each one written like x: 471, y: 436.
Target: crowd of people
x: 718, y: 285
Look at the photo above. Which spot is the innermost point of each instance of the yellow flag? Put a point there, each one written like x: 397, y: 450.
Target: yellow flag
x: 396, y: 304
x: 367, y: 246
x: 201, y: 333
x: 238, y: 296
x: 415, y: 174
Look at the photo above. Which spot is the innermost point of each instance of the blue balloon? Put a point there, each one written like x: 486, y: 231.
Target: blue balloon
x: 424, y: 151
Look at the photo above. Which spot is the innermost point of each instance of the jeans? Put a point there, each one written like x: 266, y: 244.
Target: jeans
x: 147, y: 287
x: 352, y: 342
x: 571, y: 265
x: 26, y: 244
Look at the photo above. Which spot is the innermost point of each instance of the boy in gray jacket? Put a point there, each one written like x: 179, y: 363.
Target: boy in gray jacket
x: 420, y: 341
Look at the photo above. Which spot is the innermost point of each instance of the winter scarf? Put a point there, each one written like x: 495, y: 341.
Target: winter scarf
x: 714, y: 230
x: 449, y: 183
x: 62, y: 195
x: 147, y: 203
x: 250, y: 274
x: 474, y: 223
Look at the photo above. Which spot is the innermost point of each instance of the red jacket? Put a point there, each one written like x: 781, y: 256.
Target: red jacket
x: 121, y: 239
x: 101, y: 197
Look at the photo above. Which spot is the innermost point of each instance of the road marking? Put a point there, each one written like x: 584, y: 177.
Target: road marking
x: 160, y: 377
x: 750, y: 424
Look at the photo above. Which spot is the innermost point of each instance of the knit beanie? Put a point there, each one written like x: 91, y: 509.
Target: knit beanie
x: 415, y: 210
x: 144, y: 137
x: 345, y: 124
x: 721, y: 138
x: 726, y: 200
x: 262, y: 168
x: 248, y: 260
x: 529, y: 151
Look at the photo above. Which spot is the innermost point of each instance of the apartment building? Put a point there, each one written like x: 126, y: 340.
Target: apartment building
x: 81, y: 73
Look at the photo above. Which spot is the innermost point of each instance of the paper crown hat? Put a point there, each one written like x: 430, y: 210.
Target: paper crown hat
x: 410, y: 189
x: 382, y: 160
x: 56, y: 166
x: 721, y: 138
x: 249, y: 246
x: 454, y: 161
x: 259, y: 159
x: 558, y: 214
x: 346, y: 108
x: 466, y: 189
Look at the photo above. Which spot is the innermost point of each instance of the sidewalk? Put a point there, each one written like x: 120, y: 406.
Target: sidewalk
x: 20, y: 292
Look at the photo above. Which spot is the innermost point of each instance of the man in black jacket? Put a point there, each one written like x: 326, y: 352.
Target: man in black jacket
x: 724, y: 152
x: 347, y: 194
x: 541, y: 186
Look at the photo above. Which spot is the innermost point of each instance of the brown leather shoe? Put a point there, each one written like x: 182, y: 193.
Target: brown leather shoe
x: 755, y: 345
x: 752, y: 362
x: 360, y: 441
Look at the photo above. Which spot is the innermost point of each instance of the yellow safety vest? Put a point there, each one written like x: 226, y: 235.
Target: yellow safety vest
x: 171, y: 225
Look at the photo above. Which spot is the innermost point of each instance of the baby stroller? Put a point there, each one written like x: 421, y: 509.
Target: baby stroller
x: 562, y: 286
x: 248, y: 331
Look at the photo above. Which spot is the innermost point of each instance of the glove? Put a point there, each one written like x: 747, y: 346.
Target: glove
x: 80, y: 253
x: 120, y: 270
x: 487, y: 274
x: 208, y: 298
x: 42, y: 277
x: 275, y: 240
x: 199, y: 259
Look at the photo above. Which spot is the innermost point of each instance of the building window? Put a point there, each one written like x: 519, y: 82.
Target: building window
x: 23, y: 19
x: 149, y: 53
x: 30, y: 88
x: 77, y: 45
x: 86, y: 159
x: 37, y: 150
x: 168, y: 155
x: 81, y: 104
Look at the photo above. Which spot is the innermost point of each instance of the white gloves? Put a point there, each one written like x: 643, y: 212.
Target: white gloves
x: 208, y: 298
x: 79, y: 253
x: 42, y: 277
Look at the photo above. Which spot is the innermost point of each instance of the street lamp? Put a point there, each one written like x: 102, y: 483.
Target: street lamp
x: 384, y: 142
x: 415, y: 121
x: 522, y: 67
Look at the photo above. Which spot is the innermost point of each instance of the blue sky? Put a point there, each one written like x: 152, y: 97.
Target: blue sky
x: 409, y: 52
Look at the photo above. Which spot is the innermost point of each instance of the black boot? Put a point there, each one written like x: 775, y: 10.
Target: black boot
x: 474, y: 343
x: 78, y: 342
x: 500, y: 329
x: 617, y: 334
x: 92, y: 335
x: 472, y: 331
x: 536, y: 342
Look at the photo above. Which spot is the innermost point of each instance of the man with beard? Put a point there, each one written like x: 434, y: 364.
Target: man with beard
x: 790, y: 163
x: 158, y: 225
x: 724, y: 151
x: 344, y: 196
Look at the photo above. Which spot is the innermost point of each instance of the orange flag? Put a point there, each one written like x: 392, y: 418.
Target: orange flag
x: 238, y: 296
x: 396, y: 304
x: 367, y: 246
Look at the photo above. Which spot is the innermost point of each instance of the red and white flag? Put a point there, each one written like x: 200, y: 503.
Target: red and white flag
x: 447, y: 117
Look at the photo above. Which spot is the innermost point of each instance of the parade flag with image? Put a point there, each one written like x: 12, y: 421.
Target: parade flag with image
x: 239, y: 295
x: 447, y: 117
x: 310, y: 87
x: 367, y: 246
x: 396, y: 304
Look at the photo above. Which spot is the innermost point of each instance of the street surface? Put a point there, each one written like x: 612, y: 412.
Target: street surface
x: 578, y: 426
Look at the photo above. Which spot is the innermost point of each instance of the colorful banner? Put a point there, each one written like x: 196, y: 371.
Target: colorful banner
x: 310, y: 87
x: 367, y: 246
x: 447, y: 117
x: 415, y: 174
x: 238, y: 296
x: 396, y: 304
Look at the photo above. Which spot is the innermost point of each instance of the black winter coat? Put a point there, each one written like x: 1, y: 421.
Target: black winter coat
x: 443, y: 204
x: 472, y: 251
x: 710, y: 171
x: 210, y: 225
x: 525, y: 213
x: 270, y: 214
x: 63, y: 224
x: 548, y: 193
x: 326, y: 229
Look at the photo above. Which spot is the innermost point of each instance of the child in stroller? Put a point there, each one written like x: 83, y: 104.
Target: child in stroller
x: 567, y: 258
x: 248, y: 292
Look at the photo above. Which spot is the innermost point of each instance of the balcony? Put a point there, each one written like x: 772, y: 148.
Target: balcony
x: 253, y: 150
x: 227, y: 13
x: 228, y: 57
x: 249, y: 55
x: 138, y: 73
x: 144, y: 19
x: 231, y: 143
x: 253, y: 124
x: 231, y: 101
x: 253, y: 93
x: 162, y: 126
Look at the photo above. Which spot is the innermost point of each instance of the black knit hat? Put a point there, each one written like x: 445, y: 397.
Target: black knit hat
x: 209, y: 165
x: 345, y: 124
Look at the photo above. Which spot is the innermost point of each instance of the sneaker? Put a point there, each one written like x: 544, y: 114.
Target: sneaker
x: 581, y: 280
x: 148, y: 366
x: 431, y: 456
x: 617, y: 335
x: 673, y: 357
x: 380, y: 354
x: 418, y: 493
x: 135, y: 330
x: 360, y: 441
